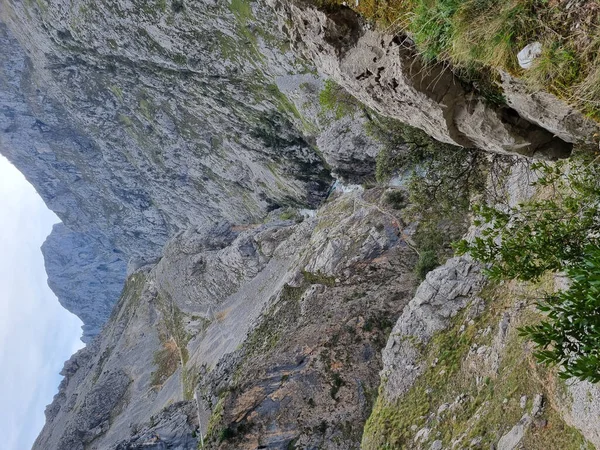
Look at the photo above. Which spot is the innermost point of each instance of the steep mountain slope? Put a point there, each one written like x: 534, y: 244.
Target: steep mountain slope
x: 276, y: 327
x: 238, y: 258
x: 113, y: 122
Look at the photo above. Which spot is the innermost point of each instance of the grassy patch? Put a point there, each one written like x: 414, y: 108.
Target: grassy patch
x: 173, y: 322
x: 488, y: 403
x: 336, y: 100
x: 391, y: 425
x: 242, y: 10
x: 166, y: 360
x: 284, y: 105
x: 290, y: 214
x: 318, y: 278
x: 190, y: 378
x: 215, y: 422
x: 478, y: 35
x: 265, y: 337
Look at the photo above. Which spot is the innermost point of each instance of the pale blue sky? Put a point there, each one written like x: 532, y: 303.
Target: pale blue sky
x: 36, y: 334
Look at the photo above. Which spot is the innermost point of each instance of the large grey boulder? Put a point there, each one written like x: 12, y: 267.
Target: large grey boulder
x: 445, y: 291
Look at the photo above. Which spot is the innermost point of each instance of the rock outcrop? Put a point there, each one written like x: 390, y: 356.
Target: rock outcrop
x: 446, y: 291
x: 133, y: 133
x: 278, y: 345
x: 385, y: 72
x: 192, y: 157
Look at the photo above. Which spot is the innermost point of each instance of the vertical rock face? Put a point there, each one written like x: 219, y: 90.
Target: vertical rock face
x: 446, y: 291
x: 185, y: 147
x: 385, y: 72
x: 86, y: 276
x: 136, y: 120
x: 276, y: 327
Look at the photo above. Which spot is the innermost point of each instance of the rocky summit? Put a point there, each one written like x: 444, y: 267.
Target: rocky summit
x: 260, y: 203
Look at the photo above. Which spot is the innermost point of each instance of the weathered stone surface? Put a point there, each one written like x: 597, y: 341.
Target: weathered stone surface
x: 579, y: 407
x: 135, y: 122
x: 513, y: 438
x: 263, y: 333
x: 445, y: 291
x: 549, y: 112
x: 384, y: 72
x: 308, y: 370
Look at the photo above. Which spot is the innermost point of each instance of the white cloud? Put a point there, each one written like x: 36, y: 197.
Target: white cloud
x: 36, y: 334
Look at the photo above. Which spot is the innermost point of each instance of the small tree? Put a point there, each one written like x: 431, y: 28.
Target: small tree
x: 570, y: 336
x: 558, y: 233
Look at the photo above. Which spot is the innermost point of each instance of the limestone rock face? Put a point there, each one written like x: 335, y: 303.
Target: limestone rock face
x: 135, y: 122
x: 548, y: 111
x: 186, y: 149
x: 276, y: 355
x: 445, y: 292
x: 384, y: 72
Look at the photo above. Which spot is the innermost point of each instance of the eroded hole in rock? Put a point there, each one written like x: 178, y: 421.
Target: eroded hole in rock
x: 543, y: 144
x: 346, y: 30
x: 398, y: 40
x: 379, y: 72
x: 366, y: 74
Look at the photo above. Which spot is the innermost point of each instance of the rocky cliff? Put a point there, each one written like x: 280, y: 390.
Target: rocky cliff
x: 246, y: 276
x: 133, y: 133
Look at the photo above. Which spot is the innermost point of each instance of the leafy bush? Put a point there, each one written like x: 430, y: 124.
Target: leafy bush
x: 560, y: 232
x: 427, y: 262
x: 396, y: 199
x: 570, y: 336
x: 441, y: 179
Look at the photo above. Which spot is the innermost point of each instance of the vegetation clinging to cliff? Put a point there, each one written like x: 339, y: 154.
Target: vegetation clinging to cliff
x: 559, y: 232
x: 475, y: 36
x: 440, y: 180
x: 459, y: 400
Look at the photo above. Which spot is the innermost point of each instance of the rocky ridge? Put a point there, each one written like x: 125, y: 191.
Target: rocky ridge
x: 112, y: 122
x: 258, y: 351
x: 186, y: 148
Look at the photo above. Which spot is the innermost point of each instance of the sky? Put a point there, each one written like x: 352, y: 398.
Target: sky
x: 36, y: 334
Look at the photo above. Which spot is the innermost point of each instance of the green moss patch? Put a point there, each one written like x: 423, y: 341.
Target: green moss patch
x: 482, y: 407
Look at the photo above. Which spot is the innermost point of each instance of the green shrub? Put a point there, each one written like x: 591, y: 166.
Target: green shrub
x: 440, y: 180
x: 570, y: 336
x: 226, y: 433
x: 396, y: 199
x: 561, y: 232
x: 527, y: 240
x: 427, y: 262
